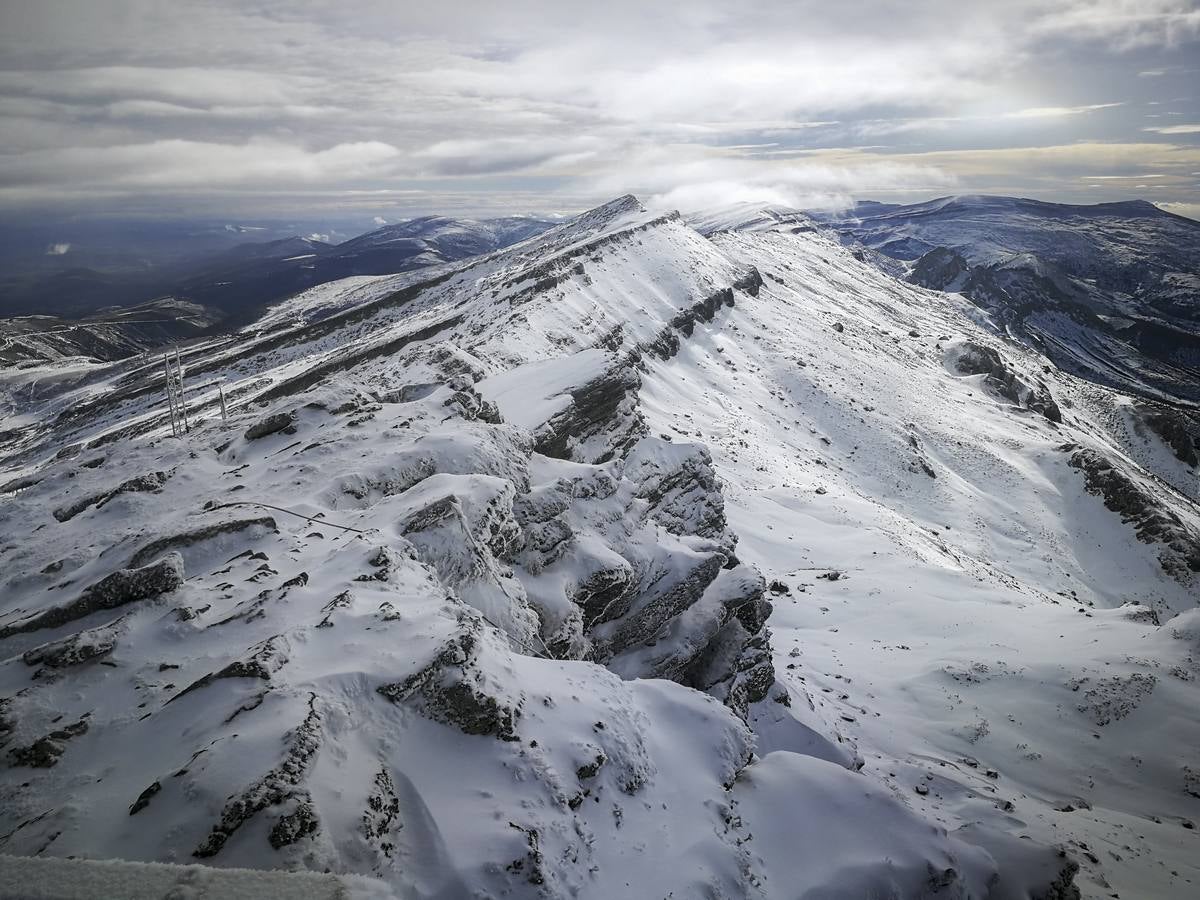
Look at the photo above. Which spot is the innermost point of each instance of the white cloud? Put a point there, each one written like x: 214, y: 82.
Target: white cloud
x: 476, y: 103
x: 1191, y: 210
x: 692, y: 177
x: 190, y: 164
x: 1041, y: 112
x: 1175, y: 129
x: 380, y: 220
x: 1124, y: 24
x: 58, y: 249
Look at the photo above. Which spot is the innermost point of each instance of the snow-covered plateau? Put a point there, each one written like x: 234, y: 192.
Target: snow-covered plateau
x: 651, y: 556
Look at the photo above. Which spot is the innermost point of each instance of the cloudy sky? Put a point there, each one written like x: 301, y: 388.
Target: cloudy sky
x: 401, y: 107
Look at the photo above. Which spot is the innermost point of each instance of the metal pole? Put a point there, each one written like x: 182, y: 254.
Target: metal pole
x: 170, y: 395
x: 182, y: 401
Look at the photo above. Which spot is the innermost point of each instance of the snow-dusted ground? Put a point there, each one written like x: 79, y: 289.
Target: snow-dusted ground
x: 535, y: 664
x: 981, y: 613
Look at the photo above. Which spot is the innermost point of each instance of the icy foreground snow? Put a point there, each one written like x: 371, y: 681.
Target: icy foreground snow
x: 625, y: 561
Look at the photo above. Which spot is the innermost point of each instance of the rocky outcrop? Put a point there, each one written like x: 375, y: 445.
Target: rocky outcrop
x: 970, y: 358
x: 118, y: 589
x: 75, y: 649
x: 663, y: 599
x: 196, y: 535
x: 938, y: 269
x: 453, y: 688
x: 751, y: 282
x: 272, y: 424
x: 464, y: 528
x: 277, y: 787
x: 666, y: 344
x: 470, y: 405
x: 261, y: 662
x: 1138, y: 507
x: 1178, y: 428
x: 149, y: 483
x: 46, y: 750
x: 679, y: 483
x: 602, y: 411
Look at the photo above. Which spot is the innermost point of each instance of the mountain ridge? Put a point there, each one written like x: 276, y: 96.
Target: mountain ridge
x: 734, y: 546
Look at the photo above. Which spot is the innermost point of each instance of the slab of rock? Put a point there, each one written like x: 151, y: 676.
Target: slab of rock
x: 45, y: 751
x: 978, y: 359
x: 196, y: 535
x: 273, y: 424
x: 118, y: 589
x: 277, y: 787
x: 149, y: 483
x: 1148, y: 515
x: 75, y: 649
x: 452, y: 689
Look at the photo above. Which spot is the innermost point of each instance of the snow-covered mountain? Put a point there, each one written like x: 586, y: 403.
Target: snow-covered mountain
x: 623, y: 561
x: 1108, y: 291
x: 32, y: 342
x: 443, y: 239
x: 237, y: 283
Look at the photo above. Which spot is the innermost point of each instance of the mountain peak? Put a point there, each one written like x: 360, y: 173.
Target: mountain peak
x: 608, y: 212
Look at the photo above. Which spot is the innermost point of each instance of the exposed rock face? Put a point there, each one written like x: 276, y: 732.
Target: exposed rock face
x: 277, y: 787
x: 471, y: 406
x: 196, y: 535
x: 666, y: 344
x: 453, y: 689
x: 75, y: 649
x: 1178, y: 428
x: 605, y: 407
x: 678, y: 482
x: 463, y: 526
x: 272, y: 424
x: 751, y: 282
x: 260, y: 662
x: 938, y: 269
x: 144, y: 798
x: 141, y: 483
x: 970, y: 358
x: 45, y: 751
x: 1153, y: 522
x: 118, y: 589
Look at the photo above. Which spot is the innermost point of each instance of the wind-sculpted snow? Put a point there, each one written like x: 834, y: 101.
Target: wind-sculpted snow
x: 534, y: 578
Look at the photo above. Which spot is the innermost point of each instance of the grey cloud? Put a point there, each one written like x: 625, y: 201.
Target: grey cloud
x: 476, y: 104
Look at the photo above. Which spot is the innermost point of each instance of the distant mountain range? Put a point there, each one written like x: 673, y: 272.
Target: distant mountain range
x: 1109, y: 291
x: 238, y: 283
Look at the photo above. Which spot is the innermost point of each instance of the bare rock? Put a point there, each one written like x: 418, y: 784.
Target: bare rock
x: 978, y: 359
x: 196, y: 535
x: 118, y: 589
x: 75, y: 649
x: 452, y: 689
x: 45, y: 751
x: 1152, y: 521
x: 276, y: 787
x: 149, y: 483
x: 273, y: 424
